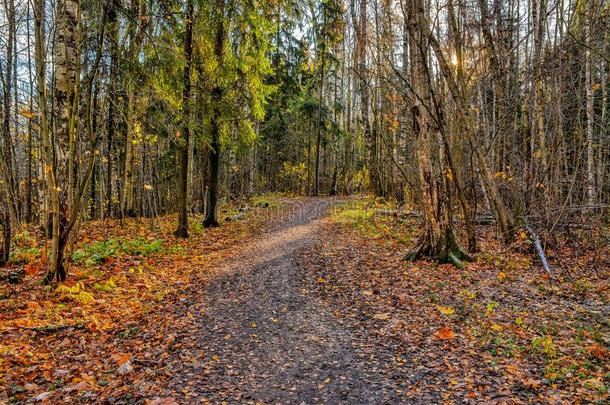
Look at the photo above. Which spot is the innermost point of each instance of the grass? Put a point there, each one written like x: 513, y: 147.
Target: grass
x: 365, y: 215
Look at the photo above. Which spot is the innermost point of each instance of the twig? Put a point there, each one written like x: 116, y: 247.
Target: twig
x: 144, y: 362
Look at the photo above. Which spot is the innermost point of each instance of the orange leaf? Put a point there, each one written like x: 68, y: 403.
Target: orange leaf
x: 598, y: 351
x: 32, y: 268
x: 445, y: 333
x: 28, y: 114
x: 33, y: 305
x: 121, y: 358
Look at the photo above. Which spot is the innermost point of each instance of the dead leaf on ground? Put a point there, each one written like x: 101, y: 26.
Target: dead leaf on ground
x: 445, y: 333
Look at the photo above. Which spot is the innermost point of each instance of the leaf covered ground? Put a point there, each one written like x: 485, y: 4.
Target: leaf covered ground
x: 84, y: 338
x: 499, y: 329
x: 285, y: 304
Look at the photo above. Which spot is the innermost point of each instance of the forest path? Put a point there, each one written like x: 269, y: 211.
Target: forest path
x: 259, y: 333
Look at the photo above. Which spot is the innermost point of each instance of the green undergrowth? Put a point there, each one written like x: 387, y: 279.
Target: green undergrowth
x: 98, y: 252
x: 376, y: 218
x: 24, y: 248
x: 271, y: 200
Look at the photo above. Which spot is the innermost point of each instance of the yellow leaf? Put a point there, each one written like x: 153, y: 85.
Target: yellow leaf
x: 445, y: 310
x: 496, y: 327
x: 28, y: 114
x: 512, y: 369
x: 449, y: 175
x: 501, y: 275
x: 382, y: 316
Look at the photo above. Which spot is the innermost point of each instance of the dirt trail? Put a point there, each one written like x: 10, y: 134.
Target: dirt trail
x: 259, y: 334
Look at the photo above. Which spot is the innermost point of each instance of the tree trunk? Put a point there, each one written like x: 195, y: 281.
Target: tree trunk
x: 467, y: 123
x: 211, y: 218
x: 438, y: 240
x: 111, y: 123
x: 7, y: 158
x: 45, y: 136
x: 183, y: 193
x: 65, y: 94
x: 591, y: 191
x: 5, y: 245
x: 316, y: 184
x: 135, y: 32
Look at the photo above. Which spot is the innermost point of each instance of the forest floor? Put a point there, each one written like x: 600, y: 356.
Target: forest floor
x: 302, y: 300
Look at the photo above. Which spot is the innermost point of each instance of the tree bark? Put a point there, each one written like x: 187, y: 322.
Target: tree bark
x: 211, y: 218
x: 111, y: 123
x: 590, y: 183
x: 182, y: 230
x: 438, y: 240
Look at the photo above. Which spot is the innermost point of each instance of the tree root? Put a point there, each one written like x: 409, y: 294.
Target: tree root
x: 445, y: 250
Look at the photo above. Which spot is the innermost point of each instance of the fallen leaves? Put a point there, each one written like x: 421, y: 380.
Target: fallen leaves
x: 382, y: 316
x: 598, y: 352
x: 32, y: 268
x: 107, y: 323
x: 121, y: 358
x: 324, y: 383
x: 445, y: 310
x: 496, y: 327
x: 444, y: 333
x: 500, y: 307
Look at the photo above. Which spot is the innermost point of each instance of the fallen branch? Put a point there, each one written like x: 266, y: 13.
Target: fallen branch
x: 53, y: 328
x: 540, y: 251
x: 485, y: 219
x: 398, y: 213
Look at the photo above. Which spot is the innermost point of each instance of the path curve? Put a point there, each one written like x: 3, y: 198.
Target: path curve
x: 260, y: 335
